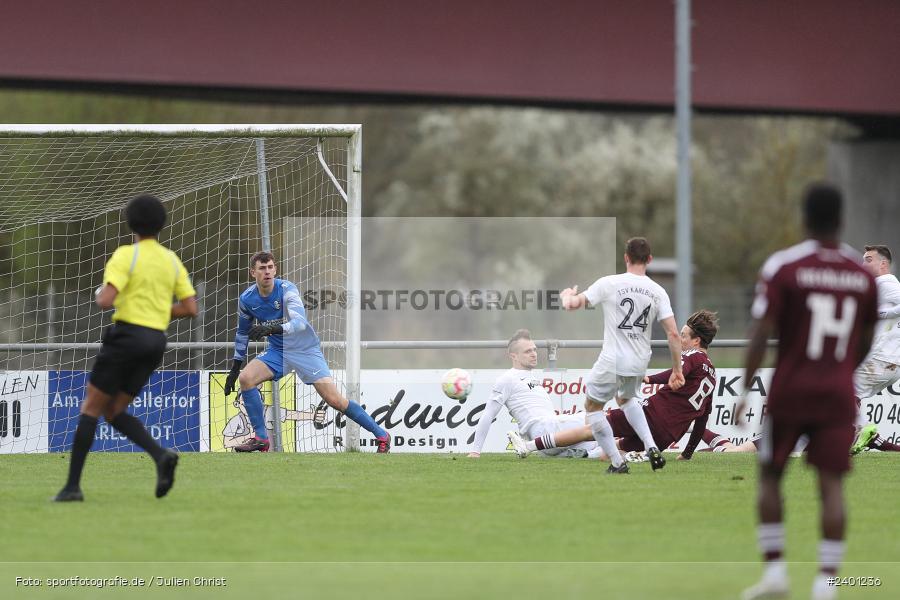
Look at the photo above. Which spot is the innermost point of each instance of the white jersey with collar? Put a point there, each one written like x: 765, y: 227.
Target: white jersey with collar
x: 630, y: 304
x: 524, y: 397
x: 886, y: 345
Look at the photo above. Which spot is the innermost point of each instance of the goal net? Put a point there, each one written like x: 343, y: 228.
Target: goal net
x: 229, y: 191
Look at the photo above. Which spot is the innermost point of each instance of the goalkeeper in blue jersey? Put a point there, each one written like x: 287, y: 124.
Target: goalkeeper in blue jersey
x: 272, y: 308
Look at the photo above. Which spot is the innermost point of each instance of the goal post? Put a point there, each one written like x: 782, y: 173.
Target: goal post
x: 230, y: 190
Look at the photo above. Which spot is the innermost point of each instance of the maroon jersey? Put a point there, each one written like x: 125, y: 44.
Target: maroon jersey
x: 673, y: 410
x: 820, y: 300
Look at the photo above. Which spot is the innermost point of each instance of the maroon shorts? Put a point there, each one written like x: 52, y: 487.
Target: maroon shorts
x: 630, y: 441
x: 828, y: 449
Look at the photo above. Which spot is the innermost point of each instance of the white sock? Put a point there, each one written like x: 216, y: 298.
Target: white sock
x: 531, y: 446
x: 775, y: 570
x: 634, y: 413
x: 770, y: 537
x: 831, y: 555
x: 861, y: 420
x: 604, y: 435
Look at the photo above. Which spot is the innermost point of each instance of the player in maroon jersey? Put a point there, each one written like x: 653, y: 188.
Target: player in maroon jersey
x: 669, y: 412
x: 822, y: 305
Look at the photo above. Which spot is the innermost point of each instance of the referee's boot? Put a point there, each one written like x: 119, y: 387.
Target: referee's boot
x: 254, y: 444
x: 66, y: 495
x: 165, y: 472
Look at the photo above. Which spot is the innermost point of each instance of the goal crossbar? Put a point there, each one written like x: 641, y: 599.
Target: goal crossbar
x: 179, y: 130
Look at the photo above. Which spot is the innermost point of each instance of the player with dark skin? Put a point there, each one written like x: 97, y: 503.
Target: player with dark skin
x: 823, y: 307
x: 140, y: 281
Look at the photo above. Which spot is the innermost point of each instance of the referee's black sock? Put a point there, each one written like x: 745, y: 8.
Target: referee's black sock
x: 81, y: 445
x: 134, y: 430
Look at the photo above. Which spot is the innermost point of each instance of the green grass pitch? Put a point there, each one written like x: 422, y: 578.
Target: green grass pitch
x: 425, y: 526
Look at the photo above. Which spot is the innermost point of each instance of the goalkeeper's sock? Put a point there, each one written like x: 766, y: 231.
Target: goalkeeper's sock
x: 81, y: 445
x: 253, y: 403
x: 355, y: 411
x: 132, y: 428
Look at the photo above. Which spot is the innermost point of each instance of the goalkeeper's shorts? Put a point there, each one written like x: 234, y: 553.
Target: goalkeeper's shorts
x: 309, y: 367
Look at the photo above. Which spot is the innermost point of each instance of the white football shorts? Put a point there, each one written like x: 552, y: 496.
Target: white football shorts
x: 873, y: 376
x: 561, y: 423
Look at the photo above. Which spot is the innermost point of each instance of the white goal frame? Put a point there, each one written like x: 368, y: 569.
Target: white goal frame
x: 352, y: 195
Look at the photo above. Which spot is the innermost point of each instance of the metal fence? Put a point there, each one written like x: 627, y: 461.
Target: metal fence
x: 552, y: 346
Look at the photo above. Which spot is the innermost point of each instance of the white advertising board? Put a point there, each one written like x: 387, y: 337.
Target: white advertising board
x: 423, y: 419
x: 23, y: 412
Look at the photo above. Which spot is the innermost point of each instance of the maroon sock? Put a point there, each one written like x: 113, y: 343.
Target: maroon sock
x: 713, y: 439
x: 879, y: 443
x: 545, y: 442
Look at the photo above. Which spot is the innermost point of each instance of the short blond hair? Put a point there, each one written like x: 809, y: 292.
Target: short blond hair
x: 521, y: 334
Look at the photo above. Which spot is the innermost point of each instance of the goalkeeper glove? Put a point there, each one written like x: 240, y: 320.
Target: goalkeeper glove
x: 232, y: 377
x: 258, y: 332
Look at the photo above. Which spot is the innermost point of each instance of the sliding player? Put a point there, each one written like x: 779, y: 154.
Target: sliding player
x: 631, y: 301
x: 882, y: 367
x: 528, y: 403
x: 279, y: 313
x: 822, y: 306
x: 669, y: 411
x: 139, y: 281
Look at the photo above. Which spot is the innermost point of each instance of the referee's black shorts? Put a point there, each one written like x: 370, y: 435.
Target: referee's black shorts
x: 128, y: 355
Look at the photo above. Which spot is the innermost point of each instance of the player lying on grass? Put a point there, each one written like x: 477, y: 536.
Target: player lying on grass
x: 631, y: 301
x: 717, y: 442
x: 882, y: 366
x: 869, y: 439
x: 278, y: 312
x: 528, y: 403
x: 669, y: 412
x: 139, y: 281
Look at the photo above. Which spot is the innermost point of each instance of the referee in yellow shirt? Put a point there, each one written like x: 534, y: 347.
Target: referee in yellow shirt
x: 139, y: 281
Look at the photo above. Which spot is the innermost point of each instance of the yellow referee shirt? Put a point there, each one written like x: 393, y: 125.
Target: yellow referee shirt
x: 147, y: 276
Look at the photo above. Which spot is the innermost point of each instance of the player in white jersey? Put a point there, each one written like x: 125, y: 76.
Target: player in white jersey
x: 631, y: 301
x: 528, y: 403
x: 882, y: 366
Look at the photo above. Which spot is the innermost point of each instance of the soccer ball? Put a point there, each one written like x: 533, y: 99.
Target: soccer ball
x: 457, y: 384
